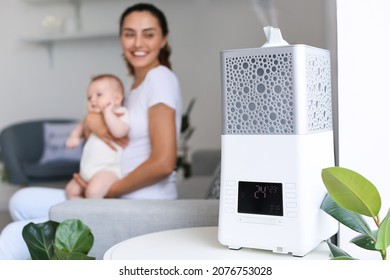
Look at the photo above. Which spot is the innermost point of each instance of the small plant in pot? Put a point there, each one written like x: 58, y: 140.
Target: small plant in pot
x: 350, y: 197
x: 186, y: 132
x: 68, y: 240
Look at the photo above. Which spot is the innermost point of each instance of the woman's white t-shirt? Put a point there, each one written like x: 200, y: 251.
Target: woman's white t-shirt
x: 159, y: 86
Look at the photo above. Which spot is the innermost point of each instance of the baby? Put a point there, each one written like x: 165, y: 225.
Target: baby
x: 100, y: 165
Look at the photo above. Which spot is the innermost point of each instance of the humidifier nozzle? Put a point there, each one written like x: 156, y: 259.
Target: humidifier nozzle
x: 274, y: 37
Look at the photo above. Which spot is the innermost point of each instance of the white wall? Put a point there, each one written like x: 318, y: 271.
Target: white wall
x: 31, y: 89
x: 364, y: 98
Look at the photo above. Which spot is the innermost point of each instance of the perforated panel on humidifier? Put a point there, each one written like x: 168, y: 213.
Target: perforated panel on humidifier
x: 264, y: 88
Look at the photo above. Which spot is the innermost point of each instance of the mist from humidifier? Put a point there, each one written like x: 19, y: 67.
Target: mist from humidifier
x: 265, y: 12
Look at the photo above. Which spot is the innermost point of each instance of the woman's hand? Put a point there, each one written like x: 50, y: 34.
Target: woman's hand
x: 95, y: 123
x: 80, y: 181
x: 112, y: 191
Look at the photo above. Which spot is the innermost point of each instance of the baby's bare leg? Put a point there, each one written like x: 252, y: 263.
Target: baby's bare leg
x: 73, y: 190
x: 100, y: 183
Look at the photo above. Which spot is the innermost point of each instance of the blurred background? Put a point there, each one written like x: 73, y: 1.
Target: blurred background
x: 50, y: 48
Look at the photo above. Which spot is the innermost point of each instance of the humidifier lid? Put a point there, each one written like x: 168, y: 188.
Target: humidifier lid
x: 274, y: 37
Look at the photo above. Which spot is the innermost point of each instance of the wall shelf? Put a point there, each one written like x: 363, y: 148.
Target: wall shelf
x: 56, y: 1
x: 48, y: 40
x: 75, y: 3
x: 62, y: 37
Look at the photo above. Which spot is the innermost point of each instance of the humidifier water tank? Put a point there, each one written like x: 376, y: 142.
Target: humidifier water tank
x: 276, y: 138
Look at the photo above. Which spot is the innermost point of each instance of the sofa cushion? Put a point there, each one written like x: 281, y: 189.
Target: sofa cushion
x: 54, y: 138
x: 195, y: 187
x: 214, y: 187
x: 114, y: 220
x: 51, y: 169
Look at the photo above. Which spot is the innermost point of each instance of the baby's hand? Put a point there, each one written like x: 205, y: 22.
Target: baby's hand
x: 109, y: 108
x: 72, y: 142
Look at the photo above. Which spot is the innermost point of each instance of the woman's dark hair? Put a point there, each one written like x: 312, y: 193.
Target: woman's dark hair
x: 165, y: 52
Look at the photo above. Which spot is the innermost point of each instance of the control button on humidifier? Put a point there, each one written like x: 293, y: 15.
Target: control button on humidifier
x: 291, y: 205
x: 229, y: 200
x: 292, y: 214
x: 291, y: 195
x: 230, y: 192
x: 290, y: 186
x: 230, y: 183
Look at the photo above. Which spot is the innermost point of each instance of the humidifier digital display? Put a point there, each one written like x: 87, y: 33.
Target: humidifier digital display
x: 260, y: 198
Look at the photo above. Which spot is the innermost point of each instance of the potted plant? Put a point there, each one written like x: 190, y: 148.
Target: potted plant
x: 186, y: 131
x: 350, y: 197
x: 68, y: 240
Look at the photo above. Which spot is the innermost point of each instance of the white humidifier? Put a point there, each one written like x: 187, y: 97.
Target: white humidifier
x: 276, y: 138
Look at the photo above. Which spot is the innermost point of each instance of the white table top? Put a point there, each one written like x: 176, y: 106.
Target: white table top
x: 198, y: 243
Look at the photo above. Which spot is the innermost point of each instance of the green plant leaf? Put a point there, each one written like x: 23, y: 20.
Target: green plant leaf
x: 365, y: 242
x: 352, y: 191
x: 73, y: 236
x: 337, y: 252
x: 5, y: 175
x: 350, y: 219
x: 61, y: 255
x: 343, y: 258
x: 383, y: 240
x: 39, y: 239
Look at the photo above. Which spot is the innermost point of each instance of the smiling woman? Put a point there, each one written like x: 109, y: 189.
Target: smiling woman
x: 144, y: 32
x: 154, y: 104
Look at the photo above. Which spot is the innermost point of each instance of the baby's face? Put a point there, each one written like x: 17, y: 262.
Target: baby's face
x: 101, y: 93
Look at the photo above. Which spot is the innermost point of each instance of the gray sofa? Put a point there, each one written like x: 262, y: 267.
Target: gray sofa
x: 23, y: 145
x: 115, y: 220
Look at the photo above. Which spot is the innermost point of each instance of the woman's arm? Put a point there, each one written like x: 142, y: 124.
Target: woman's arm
x: 162, y: 159
x: 95, y: 123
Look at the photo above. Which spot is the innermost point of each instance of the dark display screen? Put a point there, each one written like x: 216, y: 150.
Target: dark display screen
x: 260, y: 198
